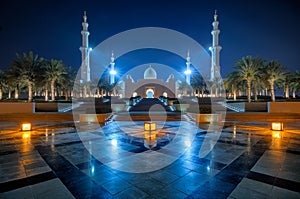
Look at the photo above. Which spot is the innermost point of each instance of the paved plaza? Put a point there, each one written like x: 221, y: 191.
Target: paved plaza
x: 120, y: 160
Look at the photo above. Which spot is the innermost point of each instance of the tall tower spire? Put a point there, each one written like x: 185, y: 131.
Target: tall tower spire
x: 188, y: 71
x: 112, y: 71
x: 85, y: 52
x: 215, y: 49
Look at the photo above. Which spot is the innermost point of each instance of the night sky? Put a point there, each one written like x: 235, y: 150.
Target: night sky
x: 269, y: 29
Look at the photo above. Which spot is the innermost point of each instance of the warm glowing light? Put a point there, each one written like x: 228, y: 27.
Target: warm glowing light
x: 277, y: 134
x: 187, y: 72
x: 150, y: 126
x: 277, y: 126
x: 26, y: 135
x: 234, y: 131
x: 26, y: 126
x: 113, y: 72
x: 114, y: 142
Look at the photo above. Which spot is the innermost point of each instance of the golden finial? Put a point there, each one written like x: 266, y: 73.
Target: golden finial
x: 84, y: 17
x: 215, y: 16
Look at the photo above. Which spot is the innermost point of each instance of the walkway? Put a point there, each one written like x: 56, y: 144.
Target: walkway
x: 246, y: 160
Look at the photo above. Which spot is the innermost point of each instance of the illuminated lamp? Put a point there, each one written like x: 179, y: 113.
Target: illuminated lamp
x: 26, y: 126
x: 113, y: 72
x: 149, y: 126
x: 187, y: 72
x: 277, y: 126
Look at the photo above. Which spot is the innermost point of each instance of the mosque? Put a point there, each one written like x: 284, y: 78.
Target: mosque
x: 150, y: 86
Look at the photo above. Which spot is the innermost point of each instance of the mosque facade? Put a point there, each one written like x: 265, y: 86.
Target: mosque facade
x: 150, y: 86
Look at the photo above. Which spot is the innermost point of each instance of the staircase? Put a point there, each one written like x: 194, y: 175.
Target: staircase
x: 237, y: 107
x: 149, y: 109
x: 146, y: 104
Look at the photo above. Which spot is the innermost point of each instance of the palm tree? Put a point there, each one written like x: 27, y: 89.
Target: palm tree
x: 248, y: 67
x: 198, y: 84
x: 184, y: 87
x: 273, y: 72
x: 67, y: 81
x: 286, y: 84
x: 54, y: 71
x: 3, y: 83
x: 232, y: 82
x: 295, y: 82
x: 26, y: 68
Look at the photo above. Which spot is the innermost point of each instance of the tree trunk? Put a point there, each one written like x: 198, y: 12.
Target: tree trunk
x: 9, y: 93
x: 0, y: 93
x: 234, y: 92
x: 46, y: 94
x: 287, y: 91
x: 272, y: 91
x: 249, y: 90
x: 52, y: 90
x: 294, y: 93
x: 66, y: 95
x: 255, y: 91
x: 29, y: 91
x: 16, y: 92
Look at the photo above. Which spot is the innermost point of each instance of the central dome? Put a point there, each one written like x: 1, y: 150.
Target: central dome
x: 150, y: 73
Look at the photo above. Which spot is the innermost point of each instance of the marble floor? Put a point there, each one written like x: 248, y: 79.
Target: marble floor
x: 121, y: 160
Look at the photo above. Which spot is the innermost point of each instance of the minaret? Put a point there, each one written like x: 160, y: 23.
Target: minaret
x: 112, y: 71
x: 188, y: 69
x: 215, y: 50
x: 85, y: 52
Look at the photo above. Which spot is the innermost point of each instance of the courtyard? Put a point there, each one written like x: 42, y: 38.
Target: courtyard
x: 59, y: 160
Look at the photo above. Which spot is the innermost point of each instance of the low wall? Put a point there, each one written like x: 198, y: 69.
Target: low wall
x: 206, y: 118
x: 256, y: 107
x: 17, y: 107
x: 46, y: 107
x: 93, y: 118
x: 283, y: 107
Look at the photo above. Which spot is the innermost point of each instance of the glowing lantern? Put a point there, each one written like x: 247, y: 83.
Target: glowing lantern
x: 277, y: 126
x: 26, y: 127
x: 149, y: 126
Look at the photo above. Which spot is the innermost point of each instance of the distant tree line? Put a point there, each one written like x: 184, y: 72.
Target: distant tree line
x: 252, y: 76
x: 37, y: 76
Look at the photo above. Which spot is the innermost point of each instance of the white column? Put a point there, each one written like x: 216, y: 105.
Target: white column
x: 85, y: 51
x: 112, y: 71
x: 187, y: 72
x: 215, y: 50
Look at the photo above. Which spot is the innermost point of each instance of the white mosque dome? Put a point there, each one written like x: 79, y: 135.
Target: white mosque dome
x: 150, y: 73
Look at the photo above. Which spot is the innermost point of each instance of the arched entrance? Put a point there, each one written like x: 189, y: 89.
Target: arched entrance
x: 150, y: 93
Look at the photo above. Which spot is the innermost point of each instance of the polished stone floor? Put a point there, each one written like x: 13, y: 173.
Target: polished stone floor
x: 121, y: 160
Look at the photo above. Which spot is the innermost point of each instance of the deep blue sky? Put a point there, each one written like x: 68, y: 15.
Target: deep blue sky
x: 266, y: 28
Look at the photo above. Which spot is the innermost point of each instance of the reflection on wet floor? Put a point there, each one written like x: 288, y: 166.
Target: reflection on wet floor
x: 121, y: 160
